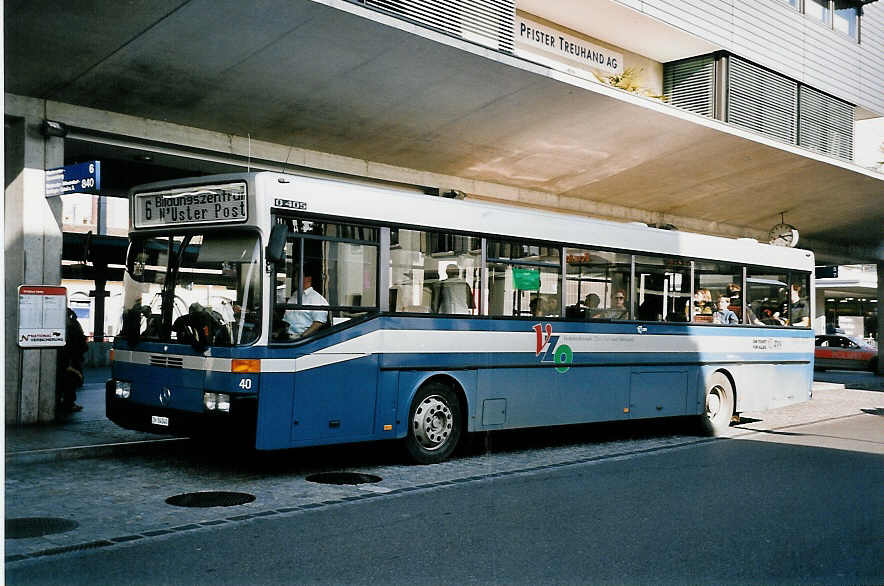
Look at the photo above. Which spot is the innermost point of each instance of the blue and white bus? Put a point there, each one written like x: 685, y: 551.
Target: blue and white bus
x: 433, y: 317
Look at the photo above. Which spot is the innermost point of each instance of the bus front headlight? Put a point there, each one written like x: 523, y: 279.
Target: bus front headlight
x: 123, y: 389
x: 216, y: 402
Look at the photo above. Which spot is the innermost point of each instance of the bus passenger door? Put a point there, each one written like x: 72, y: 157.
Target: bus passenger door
x: 335, y: 402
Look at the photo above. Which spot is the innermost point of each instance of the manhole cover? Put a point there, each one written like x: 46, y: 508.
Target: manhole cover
x: 343, y: 478
x: 37, y: 527
x: 210, y: 499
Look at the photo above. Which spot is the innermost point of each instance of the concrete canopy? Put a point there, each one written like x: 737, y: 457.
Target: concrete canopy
x: 333, y: 77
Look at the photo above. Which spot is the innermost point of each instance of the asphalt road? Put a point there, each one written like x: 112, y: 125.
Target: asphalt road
x: 798, y: 503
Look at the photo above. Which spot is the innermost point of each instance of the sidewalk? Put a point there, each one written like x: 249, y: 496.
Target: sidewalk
x: 82, y: 434
x: 89, y: 433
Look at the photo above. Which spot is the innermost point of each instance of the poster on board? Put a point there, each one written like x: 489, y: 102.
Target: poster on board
x: 41, y: 316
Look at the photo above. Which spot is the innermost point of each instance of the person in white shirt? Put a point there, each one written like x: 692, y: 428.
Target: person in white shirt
x: 304, y: 322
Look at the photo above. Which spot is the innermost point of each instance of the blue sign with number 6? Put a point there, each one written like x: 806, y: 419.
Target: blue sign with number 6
x: 76, y: 178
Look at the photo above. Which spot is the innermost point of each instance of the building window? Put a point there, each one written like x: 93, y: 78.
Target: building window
x: 817, y: 9
x: 840, y: 15
x: 764, y: 101
x: 846, y: 18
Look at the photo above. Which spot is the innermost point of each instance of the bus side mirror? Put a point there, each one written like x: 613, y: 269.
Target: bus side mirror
x: 276, y: 246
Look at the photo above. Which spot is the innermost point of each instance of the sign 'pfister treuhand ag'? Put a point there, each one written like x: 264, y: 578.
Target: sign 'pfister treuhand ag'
x: 536, y: 41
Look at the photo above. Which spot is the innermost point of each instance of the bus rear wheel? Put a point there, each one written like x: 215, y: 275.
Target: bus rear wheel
x: 434, y: 424
x: 719, y: 405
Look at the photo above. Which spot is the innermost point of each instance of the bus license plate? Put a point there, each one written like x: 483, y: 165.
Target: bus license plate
x: 158, y: 420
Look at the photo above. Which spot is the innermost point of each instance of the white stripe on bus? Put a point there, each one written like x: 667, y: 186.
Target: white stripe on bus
x: 450, y: 342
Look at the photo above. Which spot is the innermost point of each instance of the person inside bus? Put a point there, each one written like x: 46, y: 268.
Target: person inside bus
x: 536, y: 307
x: 679, y: 311
x: 724, y: 315
x: 453, y: 295
x: 592, y: 302
x: 735, y: 294
x: 798, y: 314
x: 651, y: 309
x: 198, y: 326
x: 619, y: 310
x: 305, y: 322
x: 702, y: 302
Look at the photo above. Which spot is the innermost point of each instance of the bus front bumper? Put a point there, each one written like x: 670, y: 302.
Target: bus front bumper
x: 240, y: 420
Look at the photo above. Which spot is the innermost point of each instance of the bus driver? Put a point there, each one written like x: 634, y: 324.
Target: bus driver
x: 304, y: 322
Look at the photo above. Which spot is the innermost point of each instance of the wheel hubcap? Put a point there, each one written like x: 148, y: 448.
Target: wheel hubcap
x: 713, y: 403
x: 432, y: 422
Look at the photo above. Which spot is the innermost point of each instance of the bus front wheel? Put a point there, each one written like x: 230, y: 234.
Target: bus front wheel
x: 719, y: 405
x: 434, y: 424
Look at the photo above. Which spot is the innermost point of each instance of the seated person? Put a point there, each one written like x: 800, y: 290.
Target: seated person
x: 798, y: 314
x: 536, y: 307
x: 736, y: 296
x: 453, y: 295
x: 652, y: 308
x: 305, y: 322
x: 702, y: 302
x: 619, y: 310
x: 197, y: 327
x: 724, y: 315
x: 280, y: 327
x: 769, y: 317
x: 576, y: 311
x: 592, y: 302
x: 679, y: 311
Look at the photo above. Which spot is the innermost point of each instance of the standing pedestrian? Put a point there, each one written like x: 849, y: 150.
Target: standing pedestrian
x: 69, y: 369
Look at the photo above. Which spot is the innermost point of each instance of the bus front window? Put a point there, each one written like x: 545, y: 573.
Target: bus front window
x: 199, y: 289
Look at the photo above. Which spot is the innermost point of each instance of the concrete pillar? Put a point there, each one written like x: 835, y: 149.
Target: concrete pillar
x: 880, y: 268
x: 32, y: 249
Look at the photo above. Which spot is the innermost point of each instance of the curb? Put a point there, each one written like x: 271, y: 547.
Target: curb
x: 92, y: 451
x: 824, y: 386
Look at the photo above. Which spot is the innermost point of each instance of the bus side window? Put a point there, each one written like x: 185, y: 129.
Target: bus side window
x: 596, y: 282
x: 435, y: 272
x: 662, y: 288
x: 766, y: 297
x: 712, y: 281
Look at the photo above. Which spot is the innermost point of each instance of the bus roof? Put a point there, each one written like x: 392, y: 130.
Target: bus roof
x: 362, y: 201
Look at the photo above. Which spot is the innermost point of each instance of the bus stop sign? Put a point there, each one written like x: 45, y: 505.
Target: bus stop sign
x: 77, y: 178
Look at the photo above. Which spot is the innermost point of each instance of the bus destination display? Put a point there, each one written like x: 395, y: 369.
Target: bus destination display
x: 222, y: 203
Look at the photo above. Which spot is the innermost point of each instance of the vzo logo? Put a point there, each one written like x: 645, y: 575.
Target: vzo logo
x: 552, y: 352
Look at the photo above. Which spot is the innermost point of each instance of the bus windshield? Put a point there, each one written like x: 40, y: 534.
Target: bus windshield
x: 198, y: 289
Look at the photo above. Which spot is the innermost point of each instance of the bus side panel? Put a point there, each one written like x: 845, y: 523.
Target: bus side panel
x: 388, y: 395
x: 769, y: 386
x: 274, y: 411
x: 335, y: 403
x: 530, y: 397
x: 658, y: 392
x: 753, y: 384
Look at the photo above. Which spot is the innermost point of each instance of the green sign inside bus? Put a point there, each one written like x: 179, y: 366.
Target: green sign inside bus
x: 526, y: 279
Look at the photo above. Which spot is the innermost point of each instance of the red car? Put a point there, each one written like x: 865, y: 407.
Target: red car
x: 843, y: 352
